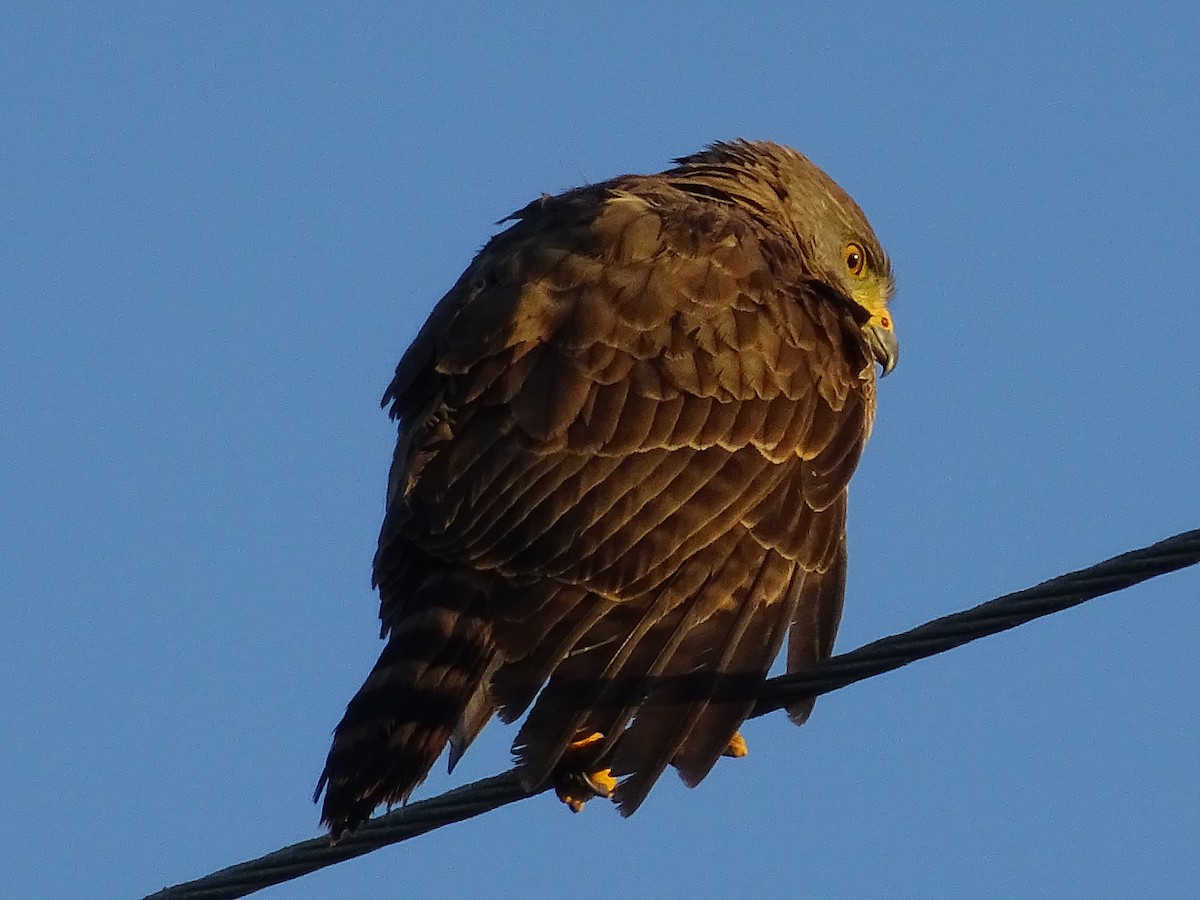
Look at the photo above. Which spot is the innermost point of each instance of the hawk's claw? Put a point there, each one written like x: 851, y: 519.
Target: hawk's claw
x: 577, y: 788
x: 737, y: 746
x: 574, y: 785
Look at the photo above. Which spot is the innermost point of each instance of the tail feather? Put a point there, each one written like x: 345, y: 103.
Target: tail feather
x: 400, y: 720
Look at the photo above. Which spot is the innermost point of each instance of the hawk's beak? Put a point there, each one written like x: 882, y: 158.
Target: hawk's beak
x: 881, y: 338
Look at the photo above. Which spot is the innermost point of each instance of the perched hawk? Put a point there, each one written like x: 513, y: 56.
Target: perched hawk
x: 625, y: 438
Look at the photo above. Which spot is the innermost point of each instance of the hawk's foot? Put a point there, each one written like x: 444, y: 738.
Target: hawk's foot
x: 737, y: 746
x: 572, y: 781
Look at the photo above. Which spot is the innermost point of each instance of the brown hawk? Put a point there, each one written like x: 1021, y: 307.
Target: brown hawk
x: 625, y: 440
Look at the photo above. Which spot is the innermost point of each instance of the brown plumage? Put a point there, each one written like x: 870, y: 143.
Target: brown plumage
x: 625, y: 439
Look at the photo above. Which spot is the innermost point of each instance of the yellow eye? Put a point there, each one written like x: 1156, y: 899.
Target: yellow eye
x: 856, y: 259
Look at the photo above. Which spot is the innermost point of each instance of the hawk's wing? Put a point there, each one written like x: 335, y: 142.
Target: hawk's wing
x: 638, y: 415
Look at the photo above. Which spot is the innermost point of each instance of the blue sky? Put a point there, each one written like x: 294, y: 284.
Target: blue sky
x: 223, y: 223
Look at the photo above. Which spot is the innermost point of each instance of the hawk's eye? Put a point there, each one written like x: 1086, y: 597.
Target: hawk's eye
x: 856, y: 259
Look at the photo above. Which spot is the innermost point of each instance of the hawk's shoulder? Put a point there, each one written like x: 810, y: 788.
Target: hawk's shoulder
x: 636, y: 267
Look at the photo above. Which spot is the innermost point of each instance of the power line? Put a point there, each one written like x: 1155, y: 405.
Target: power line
x: 873, y: 659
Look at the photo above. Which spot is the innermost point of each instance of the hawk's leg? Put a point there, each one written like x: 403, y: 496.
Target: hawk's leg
x: 575, y: 782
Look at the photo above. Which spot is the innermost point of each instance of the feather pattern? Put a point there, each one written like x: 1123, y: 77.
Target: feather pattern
x: 626, y: 435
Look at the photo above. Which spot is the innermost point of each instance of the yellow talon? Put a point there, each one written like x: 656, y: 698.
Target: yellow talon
x: 737, y: 746
x: 575, y: 786
x: 601, y: 782
x: 579, y: 743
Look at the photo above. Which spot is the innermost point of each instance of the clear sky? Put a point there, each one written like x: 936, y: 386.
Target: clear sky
x: 220, y: 226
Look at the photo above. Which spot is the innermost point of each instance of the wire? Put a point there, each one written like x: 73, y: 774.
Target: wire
x: 873, y: 659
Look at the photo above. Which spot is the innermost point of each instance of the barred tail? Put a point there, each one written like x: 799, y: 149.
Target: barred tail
x: 397, y: 724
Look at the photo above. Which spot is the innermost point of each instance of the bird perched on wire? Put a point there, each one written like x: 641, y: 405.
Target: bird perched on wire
x: 625, y: 440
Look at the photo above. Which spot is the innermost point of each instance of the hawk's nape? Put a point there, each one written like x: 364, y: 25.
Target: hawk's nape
x: 625, y: 440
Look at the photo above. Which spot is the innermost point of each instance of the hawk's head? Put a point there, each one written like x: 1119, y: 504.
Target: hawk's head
x: 837, y: 242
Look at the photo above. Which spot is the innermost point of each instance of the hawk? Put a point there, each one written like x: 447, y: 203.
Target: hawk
x: 625, y: 439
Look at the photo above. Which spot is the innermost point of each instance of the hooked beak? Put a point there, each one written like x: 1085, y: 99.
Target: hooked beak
x: 881, y: 338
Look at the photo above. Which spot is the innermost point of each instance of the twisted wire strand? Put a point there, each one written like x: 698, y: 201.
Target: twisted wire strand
x: 867, y: 661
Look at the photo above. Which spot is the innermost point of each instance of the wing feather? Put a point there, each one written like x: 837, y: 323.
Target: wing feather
x: 599, y: 686
x: 733, y: 656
